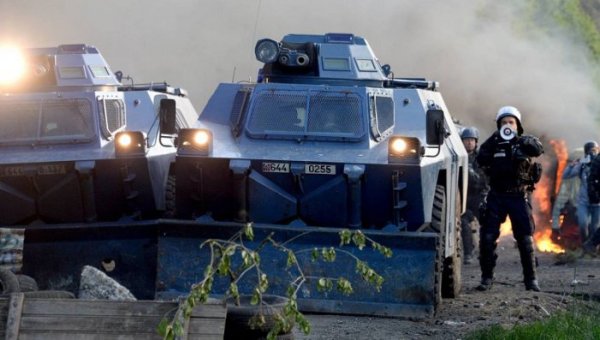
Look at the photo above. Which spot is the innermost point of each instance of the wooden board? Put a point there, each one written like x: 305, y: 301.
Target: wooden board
x: 34, y: 318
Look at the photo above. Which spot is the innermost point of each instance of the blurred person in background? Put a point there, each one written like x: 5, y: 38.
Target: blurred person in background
x: 477, y: 189
x: 593, y: 187
x: 588, y: 213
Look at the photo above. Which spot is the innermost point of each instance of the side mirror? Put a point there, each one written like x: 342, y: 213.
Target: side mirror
x: 167, y: 114
x: 436, y: 131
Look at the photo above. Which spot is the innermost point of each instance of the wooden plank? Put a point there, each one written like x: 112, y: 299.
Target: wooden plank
x: 101, y: 319
x: 124, y: 308
x: 13, y: 320
x: 88, y: 336
x: 4, y: 303
x: 113, y: 324
x: 82, y: 336
x: 108, y: 324
x: 206, y: 326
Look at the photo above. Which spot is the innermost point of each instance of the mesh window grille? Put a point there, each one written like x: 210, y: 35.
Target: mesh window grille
x: 382, y: 117
x: 334, y: 113
x: 112, y: 116
x: 53, y: 119
x: 306, y: 114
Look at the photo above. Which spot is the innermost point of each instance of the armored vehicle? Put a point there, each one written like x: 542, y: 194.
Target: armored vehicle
x: 327, y: 138
x: 78, y: 146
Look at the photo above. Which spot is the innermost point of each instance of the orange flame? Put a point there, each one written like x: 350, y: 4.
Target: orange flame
x: 544, y: 243
x: 562, y: 155
x: 541, y: 197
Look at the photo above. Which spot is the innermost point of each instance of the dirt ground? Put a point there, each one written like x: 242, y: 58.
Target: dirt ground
x: 563, y: 280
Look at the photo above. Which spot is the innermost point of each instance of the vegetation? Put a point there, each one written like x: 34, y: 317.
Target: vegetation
x: 579, y: 323
x: 577, y: 20
x: 233, y: 259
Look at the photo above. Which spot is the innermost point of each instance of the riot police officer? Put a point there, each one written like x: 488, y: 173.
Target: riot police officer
x: 475, y: 195
x: 506, y: 158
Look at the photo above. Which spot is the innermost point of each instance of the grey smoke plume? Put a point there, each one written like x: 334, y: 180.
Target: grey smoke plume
x: 472, y: 48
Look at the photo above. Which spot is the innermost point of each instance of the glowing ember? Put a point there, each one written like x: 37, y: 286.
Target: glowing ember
x: 545, y: 244
x: 506, y: 228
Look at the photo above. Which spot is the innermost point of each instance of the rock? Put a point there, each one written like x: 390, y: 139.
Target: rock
x: 95, y: 285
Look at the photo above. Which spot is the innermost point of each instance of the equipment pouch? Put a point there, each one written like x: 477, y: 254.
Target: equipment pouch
x: 535, y: 172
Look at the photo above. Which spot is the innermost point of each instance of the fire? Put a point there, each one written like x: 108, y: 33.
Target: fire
x: 544, y: 243
x: 562, y: 155
x: 506, y: 228
x: 541, y: 197
x: 542, y: 239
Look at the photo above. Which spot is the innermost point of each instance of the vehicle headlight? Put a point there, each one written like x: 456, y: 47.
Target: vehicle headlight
x: 12, y: 65
x: 130, y: 143
x: 266, y: 51
x: 196, y: 142
x: 401, y: 148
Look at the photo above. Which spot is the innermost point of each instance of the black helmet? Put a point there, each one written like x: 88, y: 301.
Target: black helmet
x: 469, y: 132
x: 589, y: 146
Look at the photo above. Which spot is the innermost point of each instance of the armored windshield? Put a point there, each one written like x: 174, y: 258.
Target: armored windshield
x: 46, y: 121
x: 306, y: 114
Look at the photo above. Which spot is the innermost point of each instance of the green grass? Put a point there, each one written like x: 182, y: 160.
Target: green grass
x: 579, y: 323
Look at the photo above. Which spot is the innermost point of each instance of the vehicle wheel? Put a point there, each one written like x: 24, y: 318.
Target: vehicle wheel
x: 27, y: 283
x: 237, y: 323
x: 8, y: 282
x: 170, y: 197
x: 50, y: 294
x: 451, y: 275
x: 438, y: 221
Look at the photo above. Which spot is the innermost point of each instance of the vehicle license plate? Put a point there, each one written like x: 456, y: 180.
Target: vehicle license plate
x: 275, y: 167
x: 319, y: 169
x: 45, y: 169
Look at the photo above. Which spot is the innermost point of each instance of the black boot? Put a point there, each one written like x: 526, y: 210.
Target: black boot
x: 525, y: 245
x: 487, y: 260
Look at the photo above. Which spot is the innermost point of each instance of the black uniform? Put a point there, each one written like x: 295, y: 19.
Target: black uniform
x: 476, y: 193
x: 593, y: 186
x: 512, y: 174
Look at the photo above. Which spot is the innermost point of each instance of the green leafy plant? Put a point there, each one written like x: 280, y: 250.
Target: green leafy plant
x: 223, y: 254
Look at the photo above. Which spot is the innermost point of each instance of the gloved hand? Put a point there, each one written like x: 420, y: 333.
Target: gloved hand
x: 530, y: 145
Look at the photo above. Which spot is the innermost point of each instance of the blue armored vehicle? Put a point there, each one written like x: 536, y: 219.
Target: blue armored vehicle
x: 327, y: 138
x: 78, y: 146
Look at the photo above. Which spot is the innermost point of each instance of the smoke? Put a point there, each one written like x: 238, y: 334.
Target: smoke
x: 477, y: 50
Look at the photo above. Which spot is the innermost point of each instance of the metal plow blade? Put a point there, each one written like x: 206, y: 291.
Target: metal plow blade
x: 163, y: 259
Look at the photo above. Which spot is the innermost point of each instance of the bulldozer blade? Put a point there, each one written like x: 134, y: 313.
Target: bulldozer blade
x: 162, y: 260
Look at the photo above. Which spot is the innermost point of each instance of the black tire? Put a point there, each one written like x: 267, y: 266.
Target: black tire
x: 8, y: 282
x: 237, y: 323
x: 170, y: 197
x: 438, y: 221
x: 50, y: 294
x: 27, y: 283
x: 452, y: 273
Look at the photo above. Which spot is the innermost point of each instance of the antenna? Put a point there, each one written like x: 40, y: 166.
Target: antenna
x: 233, y: 75
x: 256, y: 20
